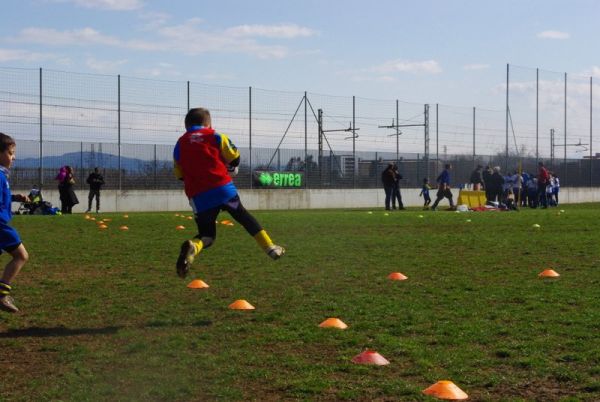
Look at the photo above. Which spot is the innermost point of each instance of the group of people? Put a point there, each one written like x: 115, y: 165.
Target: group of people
x: 517, y: 189
x: 390, y: 178
x: 68, y: 198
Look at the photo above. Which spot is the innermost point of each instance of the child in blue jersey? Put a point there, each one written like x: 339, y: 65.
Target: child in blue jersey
x: 205, y: 160
x: 425, y: 193
x: 9, y: 238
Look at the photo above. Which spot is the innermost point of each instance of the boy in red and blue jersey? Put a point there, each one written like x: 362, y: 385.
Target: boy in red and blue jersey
x: 205, y: 160
x: 9, y: 238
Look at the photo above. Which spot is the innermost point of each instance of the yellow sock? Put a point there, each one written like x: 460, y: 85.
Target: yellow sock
x: 263, y: 240
x: 197, y: 246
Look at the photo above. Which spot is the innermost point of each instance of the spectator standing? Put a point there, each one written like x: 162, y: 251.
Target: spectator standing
x: 543, y: 179
x: 68, y: 198
x: 388, y: 179
x: 496, y: 187
x: 443, y: 181
x: 477, y: 178
x: 556, y: 189
x: 396, y: 190
x: 95, y: 181
x: 487, y: 175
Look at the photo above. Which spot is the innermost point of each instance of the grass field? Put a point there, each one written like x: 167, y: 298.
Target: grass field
x: 104, y: 316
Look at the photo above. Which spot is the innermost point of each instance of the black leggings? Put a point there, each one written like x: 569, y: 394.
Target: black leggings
x: 206, y: 220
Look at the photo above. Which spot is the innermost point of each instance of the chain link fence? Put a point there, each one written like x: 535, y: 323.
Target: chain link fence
x: 127, y: 127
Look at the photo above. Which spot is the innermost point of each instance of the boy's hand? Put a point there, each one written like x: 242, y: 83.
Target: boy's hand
x: 233, y: 171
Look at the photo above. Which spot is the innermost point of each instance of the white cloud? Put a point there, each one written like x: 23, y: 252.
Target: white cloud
x: 118, y: 5
x: 553, y: 35
x: 188, y: 38
x: 103, y: 66
x: 52, y: 37
x: 476, y: 66
x: 406, y: 66
x: 10, y: 55
x: 153, y: 20
x: 285, y: 31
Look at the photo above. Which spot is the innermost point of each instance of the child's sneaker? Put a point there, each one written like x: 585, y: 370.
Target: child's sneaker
x: 276, y: 252
x: 7, y: 303
x: 186, y: 258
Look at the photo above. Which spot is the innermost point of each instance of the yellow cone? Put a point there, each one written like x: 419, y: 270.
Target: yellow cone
x: 124, y: 228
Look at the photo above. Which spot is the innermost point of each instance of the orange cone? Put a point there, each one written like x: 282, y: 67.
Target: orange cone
x: 548, y: 273
x: 333, y: 323
x: 92, y: 219
x: 189, y: 218
x: 446, y: 390
x: 87, y: 217
x: 107, y: 219
x: 197, y: 284
x: 103, y: 226
x: 241, y: 305
x: 177, y: 215
x: 180, y: 227
x: 397, y: 276
x: 125, y: 216
x: 124, y: 227
x: 370, y: 357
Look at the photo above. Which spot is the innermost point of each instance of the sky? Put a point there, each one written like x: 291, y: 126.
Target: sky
x: 451, y: 52
x: 448, y: 52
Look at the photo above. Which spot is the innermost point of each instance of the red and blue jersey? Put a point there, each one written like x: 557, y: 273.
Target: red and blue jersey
x: 201, y: 156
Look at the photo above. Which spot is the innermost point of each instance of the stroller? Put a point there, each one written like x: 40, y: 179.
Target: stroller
x: 36, y: 205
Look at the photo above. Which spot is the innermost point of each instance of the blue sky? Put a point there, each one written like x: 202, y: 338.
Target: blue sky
x: 451, y: 52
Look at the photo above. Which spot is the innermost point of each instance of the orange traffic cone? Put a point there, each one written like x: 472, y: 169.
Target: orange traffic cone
x: 87, y: 217
x: 397, y: 276
x: 370, y: 357
x: 103, y: 226
x: 124, y: 227
x: 226, y: 222
x: 107, y: 219
x: 189, y: 218
x: 333, y: 323
x: 241, y: 305
x: 197, y: 284
x: 548, y: 273
x: 180, y: 227
x: 446, y: 390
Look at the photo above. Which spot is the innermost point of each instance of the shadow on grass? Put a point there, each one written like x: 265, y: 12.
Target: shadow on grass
x: 51, y: 332
x: 38, y: 332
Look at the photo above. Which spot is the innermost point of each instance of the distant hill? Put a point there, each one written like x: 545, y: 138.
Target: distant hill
x: 88, y: 160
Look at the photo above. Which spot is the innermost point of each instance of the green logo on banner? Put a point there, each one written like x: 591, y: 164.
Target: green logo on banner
x: 265, y: 179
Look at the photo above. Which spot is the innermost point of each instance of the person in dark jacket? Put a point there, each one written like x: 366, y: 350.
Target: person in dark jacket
x: 68, y: 198
x: 496, y: 186
x: 477, y: 178
x: 96, y: 181
x: 486, y: 176
x: 388, y: 179
x: 396, y: 190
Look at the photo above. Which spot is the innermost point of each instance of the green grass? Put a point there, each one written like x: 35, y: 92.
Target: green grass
x: 104, y: 317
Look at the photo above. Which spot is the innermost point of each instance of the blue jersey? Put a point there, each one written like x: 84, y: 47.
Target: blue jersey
x: 9, y: 238
x: 5, y: 196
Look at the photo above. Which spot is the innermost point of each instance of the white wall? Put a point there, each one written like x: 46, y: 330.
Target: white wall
x: 169, y: 200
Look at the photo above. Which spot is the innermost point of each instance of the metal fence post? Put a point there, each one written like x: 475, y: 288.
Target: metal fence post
x: 591, y: 135
x: 507, y: 112
x: 565, y: 180
x: 353, y: 141
x: 119, y: 127
x: 306, y: 164
x: 474, y: 137
x: 41, y: 172
x: 250, y: 133
x: 155, y: 168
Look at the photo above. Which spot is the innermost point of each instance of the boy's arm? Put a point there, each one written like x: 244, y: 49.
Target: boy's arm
x: 229, y: 151
x: 176, y: 168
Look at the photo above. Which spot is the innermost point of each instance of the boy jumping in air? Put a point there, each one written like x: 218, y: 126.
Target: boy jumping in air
x: 9, y: 238
x: 203, y: 160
